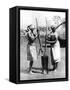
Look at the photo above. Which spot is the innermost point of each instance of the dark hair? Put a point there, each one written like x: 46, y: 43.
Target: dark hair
x: 53, y: 29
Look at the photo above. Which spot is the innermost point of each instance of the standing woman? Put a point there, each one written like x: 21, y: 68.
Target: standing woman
x: 55, y: 48
x: 31, y: 47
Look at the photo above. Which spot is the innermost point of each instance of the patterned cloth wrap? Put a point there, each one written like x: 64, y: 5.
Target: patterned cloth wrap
x: 31, y: 53
x: 56, y: 49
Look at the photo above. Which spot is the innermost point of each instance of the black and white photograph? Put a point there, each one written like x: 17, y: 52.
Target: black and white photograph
x: 42, y: 45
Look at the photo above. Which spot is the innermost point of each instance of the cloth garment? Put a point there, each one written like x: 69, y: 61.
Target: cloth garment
x: 56, y: 49
x: 31, y: 52
x: 29, y: 56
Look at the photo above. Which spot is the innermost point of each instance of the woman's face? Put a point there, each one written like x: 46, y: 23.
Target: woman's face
x: 32, y: 34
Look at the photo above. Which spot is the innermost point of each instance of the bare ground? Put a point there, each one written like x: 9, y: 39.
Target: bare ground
x: 24, y: 64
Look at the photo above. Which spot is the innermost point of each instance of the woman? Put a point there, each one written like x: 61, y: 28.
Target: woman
x: 55, y: 48
x: 31, y: 47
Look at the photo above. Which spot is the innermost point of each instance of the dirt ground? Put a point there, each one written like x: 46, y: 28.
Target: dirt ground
x: 24, y: 64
